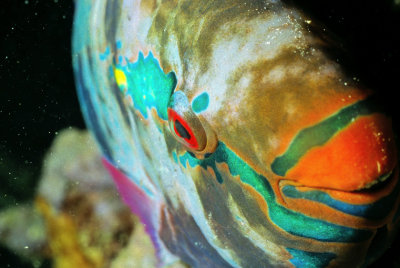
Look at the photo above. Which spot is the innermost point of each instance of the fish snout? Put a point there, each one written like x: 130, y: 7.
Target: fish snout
x: 356, y: 156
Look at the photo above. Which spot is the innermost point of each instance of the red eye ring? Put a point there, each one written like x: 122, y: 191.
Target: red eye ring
x: 182, y: 129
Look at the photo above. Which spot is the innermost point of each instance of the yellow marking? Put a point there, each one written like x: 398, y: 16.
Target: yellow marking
x: 120, y: 77
x: 63, y: 239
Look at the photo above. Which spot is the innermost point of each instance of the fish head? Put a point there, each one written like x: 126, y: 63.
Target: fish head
x: 234, y: 135
x: 272, y: 129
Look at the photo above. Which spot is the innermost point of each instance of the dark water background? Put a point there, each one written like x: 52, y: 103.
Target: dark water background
x: 37, y: 94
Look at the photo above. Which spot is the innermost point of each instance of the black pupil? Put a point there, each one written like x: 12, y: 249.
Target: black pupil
x: 182, y: 130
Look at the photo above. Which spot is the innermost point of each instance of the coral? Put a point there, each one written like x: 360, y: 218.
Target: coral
x: 78, y: 218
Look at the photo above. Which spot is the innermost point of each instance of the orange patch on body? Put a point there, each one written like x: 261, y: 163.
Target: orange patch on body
x: 325, y: 109
x: 354, y: 157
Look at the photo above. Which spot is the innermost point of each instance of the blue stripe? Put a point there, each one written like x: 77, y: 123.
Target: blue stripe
x: 373, y: 211
x: 83, y: 77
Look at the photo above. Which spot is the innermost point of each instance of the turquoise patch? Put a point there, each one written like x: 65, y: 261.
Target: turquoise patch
x: 118, y: 44
x: 200, y: 103
x: 306, y: 259
x: 175, y: 157
x: 147, y: 84
x: 104, y: 55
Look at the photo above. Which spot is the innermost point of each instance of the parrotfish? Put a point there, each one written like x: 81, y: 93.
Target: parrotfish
x: 234, y: 134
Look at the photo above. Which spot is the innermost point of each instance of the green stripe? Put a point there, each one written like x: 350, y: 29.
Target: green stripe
x: 319, y: 134
x: 307, y: 259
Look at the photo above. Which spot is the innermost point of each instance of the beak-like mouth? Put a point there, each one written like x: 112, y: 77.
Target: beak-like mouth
x: 382, y: 186
x: 379, y: 183
x: 360, y: 156
x: 367, y: 207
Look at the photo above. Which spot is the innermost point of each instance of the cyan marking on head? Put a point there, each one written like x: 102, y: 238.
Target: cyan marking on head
x: 103, y: 56
x: 118, y: 44
x: 200, y: 103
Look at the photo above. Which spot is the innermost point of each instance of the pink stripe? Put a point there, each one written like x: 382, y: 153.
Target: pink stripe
x: 137, y: 200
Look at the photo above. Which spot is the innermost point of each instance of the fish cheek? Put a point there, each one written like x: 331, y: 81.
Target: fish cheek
x: 235, y: 216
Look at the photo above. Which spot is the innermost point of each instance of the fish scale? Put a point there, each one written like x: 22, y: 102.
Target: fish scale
x: 232, y: 133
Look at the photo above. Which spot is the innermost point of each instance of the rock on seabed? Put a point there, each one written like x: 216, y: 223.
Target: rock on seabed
x: 78, y: 216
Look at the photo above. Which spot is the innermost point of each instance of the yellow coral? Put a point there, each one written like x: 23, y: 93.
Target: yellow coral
x: 63, y: 239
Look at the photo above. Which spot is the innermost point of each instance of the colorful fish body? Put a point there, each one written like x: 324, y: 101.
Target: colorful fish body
x: 234, y: 135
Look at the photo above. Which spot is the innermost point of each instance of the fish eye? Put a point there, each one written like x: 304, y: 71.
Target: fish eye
x: 188, y: 128
x: 189, y: 132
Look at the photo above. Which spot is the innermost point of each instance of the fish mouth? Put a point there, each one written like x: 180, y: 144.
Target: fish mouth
x: 358, y: 156
x: 381, y: 186
x: 383, y: 183
x: 378, y: 184
x: 369, y: 206
x: 382, y: 193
